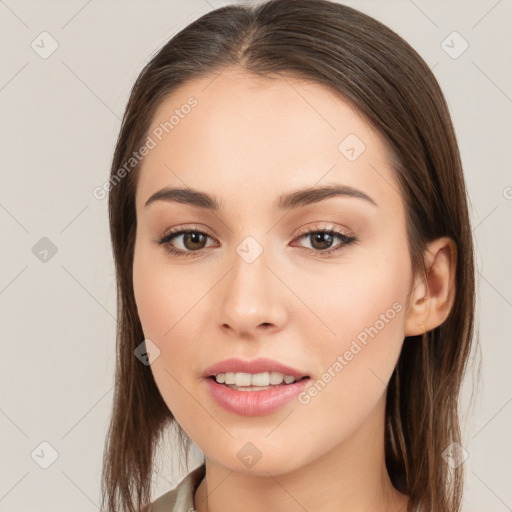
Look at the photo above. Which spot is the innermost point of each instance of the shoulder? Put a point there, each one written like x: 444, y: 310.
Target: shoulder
x: 181, y: 498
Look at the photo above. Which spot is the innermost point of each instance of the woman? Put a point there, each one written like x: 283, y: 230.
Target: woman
x: 295, y: 269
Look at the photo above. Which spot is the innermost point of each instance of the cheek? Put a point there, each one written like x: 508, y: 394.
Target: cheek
x: 359, y: 295
x: 367, y: 314
x: 162, y: 297
x: 168, y: 301
x: 364, y: 309
x: 160, y: 306
x: 370, y: 303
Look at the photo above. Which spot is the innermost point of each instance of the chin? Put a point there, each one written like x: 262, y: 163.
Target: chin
x: 258, y: 457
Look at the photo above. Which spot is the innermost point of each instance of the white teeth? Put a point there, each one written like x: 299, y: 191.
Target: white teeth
x: 276, y: 378
x: 257, y: 379
x: 260, y: 379
x: 243, y: 379
x: 229, y: 378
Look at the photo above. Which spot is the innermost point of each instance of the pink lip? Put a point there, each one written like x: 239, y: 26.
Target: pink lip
x: 254, y: 403
x: 259, y: 365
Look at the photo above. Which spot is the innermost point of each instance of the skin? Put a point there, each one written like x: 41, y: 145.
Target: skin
x: 248, y: 141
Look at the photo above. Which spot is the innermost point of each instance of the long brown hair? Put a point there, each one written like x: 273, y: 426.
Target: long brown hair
x: 393, y: 88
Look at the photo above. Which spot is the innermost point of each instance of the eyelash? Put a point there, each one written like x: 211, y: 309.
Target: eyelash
x: 345, y: 239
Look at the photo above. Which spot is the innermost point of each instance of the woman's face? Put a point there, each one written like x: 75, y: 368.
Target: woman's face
x: 250, y: 284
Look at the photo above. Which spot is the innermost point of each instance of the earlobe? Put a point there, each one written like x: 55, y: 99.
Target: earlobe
x: 432, y: 296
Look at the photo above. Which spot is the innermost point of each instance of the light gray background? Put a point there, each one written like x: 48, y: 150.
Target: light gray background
x: 59, y: 122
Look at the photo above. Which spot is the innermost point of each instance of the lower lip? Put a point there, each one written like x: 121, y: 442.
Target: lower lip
x: 254, y: 403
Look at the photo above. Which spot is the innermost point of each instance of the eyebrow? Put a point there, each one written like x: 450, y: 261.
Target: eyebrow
x: 290, y: 201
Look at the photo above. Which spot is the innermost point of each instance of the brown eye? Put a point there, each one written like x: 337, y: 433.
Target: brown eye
x: 192, y: 241
x: 322, y: 239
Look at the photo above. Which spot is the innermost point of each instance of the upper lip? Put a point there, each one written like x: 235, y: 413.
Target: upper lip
x: 259, y: 365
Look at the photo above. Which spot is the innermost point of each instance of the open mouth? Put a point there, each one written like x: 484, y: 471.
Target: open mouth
x: 256, y: 382
x: 255, y: 394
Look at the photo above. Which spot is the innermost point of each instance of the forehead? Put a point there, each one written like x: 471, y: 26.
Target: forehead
x: 237, y: 129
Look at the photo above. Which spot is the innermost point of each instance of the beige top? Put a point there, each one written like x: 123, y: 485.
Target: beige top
x: 181, y: 499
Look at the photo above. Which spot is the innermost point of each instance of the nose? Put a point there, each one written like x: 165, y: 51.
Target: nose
x: 252, y: 299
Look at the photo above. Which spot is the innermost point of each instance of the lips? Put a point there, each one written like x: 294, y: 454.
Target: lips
x: 251, y: 400
x: 260, y: 365
x: 256, y: 402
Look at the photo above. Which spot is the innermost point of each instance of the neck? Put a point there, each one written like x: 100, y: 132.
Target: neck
x: 352, y: 477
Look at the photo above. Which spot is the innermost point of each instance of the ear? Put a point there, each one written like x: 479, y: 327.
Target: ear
x: 432, y: 297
